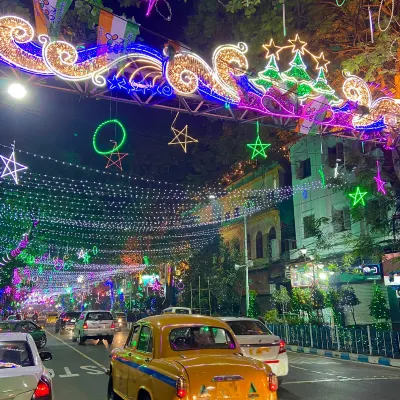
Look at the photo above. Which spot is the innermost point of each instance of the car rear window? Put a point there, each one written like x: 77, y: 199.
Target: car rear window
x: 200, y: 337
x: 15, y: 354
x: 181, y: 311
x: 99, y: 316
x: 72, y: 314
x: 52, y: 315
x: 248, y: 328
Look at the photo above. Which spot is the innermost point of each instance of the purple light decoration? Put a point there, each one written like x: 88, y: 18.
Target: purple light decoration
x: 379, y: 182
x: 150, y: 7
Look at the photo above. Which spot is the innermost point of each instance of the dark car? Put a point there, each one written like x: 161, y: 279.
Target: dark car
x: 67, y: 320
x: 38, y: 334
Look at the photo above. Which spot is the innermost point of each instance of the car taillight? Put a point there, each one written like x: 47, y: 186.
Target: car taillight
x: 43, y: 390
x: 181, y: 390
x: 273, y: 382
x: 85, y: 326
x: 282, y: 348
x: 113, y: 326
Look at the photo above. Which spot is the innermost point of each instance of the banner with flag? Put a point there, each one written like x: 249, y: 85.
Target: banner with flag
x: 49, y: 14
x: 115, y: 32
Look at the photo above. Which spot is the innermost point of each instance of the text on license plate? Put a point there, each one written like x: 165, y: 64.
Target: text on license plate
x: 259, y: 351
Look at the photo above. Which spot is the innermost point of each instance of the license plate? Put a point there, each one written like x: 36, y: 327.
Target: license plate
x: 228, y: 390
x: 259, y: 351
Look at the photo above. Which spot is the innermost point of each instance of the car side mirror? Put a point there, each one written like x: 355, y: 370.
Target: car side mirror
x: 45, y: 356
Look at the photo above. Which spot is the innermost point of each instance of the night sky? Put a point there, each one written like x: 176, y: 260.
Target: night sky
x: 61, y: 125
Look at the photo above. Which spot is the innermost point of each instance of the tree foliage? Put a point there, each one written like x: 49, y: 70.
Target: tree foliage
x: 348, y: 298
x: 378, y: 309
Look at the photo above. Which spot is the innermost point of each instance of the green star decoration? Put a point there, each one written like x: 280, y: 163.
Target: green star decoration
x: 258, y: 148
x: 358, y: 197
x: 86, y: 258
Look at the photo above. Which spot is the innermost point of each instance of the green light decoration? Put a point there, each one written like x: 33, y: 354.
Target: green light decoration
x: 358, y: 197
x: 270, y: 76
x: 86, y: 258
x: 95, y: 250
x: 146, y: 260
x: 100, y: 127
x: 258, y: 147
x: 322, y: 176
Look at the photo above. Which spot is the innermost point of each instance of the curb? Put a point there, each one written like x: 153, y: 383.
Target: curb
x: 390, y: 362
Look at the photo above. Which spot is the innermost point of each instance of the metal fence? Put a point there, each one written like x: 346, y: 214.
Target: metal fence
x: 365, y: 340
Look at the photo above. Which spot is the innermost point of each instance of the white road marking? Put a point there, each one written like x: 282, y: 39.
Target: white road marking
x: 79, y: 352
x: 92, y: 370
x: 68, y: 373
x: 319, y: 362
x: 343, y: 380
x: 315, y: 372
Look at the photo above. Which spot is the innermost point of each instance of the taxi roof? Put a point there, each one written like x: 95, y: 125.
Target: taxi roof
x: 165, y: 320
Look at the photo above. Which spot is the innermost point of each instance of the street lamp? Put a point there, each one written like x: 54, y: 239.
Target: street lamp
x: 249, y: 263
x: 17, y: 91
x: 303, y: 251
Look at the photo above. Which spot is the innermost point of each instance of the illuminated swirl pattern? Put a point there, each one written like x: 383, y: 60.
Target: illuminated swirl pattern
x: 188, y: 73
x: 14, y: 31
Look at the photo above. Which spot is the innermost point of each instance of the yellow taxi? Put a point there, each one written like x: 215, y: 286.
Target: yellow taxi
x: 175, y: 357
x: 51, y: 318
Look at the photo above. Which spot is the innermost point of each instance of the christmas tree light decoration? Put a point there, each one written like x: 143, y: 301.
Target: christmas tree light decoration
x: 11, y: 167
x: 119, y: 157
x: 269, y: 77
x: 115, y: 148
x: 321, y: 86
x: 358, y: 197
x: 259, y: 148
x: 379, y: 182
x: 178, y: 133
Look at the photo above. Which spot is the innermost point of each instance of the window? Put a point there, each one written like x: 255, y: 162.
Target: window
x: 271, y: 237
x: 341, y: 220
x: 308, y: 224
x: 304, y: 169
x: 133, y: 337
x: 335, y: 155
x: 28, y: 327
x: 99, y: 316
x: 248, y: 246
x: 181, y: 311
x: 145, y: 340
x: 236, y: 213
x: 259, y: 245
x: 15, y: 354
x: 227, y: 216
x: 248, y: 328
x: 200, y: 337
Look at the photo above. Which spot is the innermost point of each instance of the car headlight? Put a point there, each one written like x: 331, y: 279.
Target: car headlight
x: 119, y: 320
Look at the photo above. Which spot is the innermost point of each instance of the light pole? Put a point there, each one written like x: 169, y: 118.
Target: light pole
x: 249, y: 263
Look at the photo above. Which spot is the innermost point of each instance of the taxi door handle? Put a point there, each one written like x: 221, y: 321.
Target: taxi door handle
x: 147, y: 360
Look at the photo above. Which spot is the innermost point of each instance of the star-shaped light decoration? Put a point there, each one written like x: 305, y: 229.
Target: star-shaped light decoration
x: 272, y: 49
x: 322, y: 176
x: 81, y: 254
x: 86, y: 258
x: 321, y: 62
x: 119, y: 157
x: 358, y: 197
x: 258, y: 147
x: 379, y: 182
x: 152, y: 3
x: 11, y: 167
x: 297, y: 44
x: 181, y: 137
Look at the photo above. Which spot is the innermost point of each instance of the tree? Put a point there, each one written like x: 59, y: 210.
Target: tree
x: 348, y: 298
x: 378, y: 309
x: 301, y: 301
x: 321, y: 86
x: 254, y: 308
x: 332, y: 300
x: 317, y: 302
x: 281, y: 298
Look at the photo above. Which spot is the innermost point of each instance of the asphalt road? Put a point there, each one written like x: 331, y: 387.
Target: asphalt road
x: 79, y: 374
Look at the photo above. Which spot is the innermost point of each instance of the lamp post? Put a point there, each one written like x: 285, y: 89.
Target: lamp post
x: 249, y: 263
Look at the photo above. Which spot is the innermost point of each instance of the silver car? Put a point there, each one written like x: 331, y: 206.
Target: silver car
x: 94, y: 325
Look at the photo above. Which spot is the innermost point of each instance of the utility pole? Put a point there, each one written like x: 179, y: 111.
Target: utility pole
x: 246, y: 261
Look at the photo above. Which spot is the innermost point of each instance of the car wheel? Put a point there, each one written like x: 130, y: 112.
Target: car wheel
x: 110, y: 339
x: 42, y: 342
x: 111, y: 395
x: 82, y: 340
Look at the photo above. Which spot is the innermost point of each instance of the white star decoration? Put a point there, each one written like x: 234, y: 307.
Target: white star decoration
x: 81, y: 254
x: 12, y: 167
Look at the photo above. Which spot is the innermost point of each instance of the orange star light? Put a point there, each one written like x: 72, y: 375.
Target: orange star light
x: 118, y: 161
x: 297, y: 44
x: 321, y: 62
x: 272, y: 49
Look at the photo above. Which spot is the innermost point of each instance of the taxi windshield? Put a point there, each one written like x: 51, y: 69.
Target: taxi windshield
x: 15, y: 354
x: 200, y: 337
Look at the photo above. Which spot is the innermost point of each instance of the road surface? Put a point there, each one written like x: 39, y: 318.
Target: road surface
x: 79, y: 374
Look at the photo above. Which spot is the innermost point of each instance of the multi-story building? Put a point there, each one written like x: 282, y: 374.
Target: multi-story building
x: 315, y: 159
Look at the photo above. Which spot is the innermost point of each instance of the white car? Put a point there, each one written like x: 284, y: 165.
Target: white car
x: 22, y: 373
x: 177, y: 310
x: 257, y: 341
x: 94, y: 325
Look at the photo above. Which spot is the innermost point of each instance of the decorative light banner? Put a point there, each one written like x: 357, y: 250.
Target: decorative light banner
x: 291, y: 93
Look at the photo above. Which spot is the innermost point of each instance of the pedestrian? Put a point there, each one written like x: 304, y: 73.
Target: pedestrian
x: 130, y: 318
